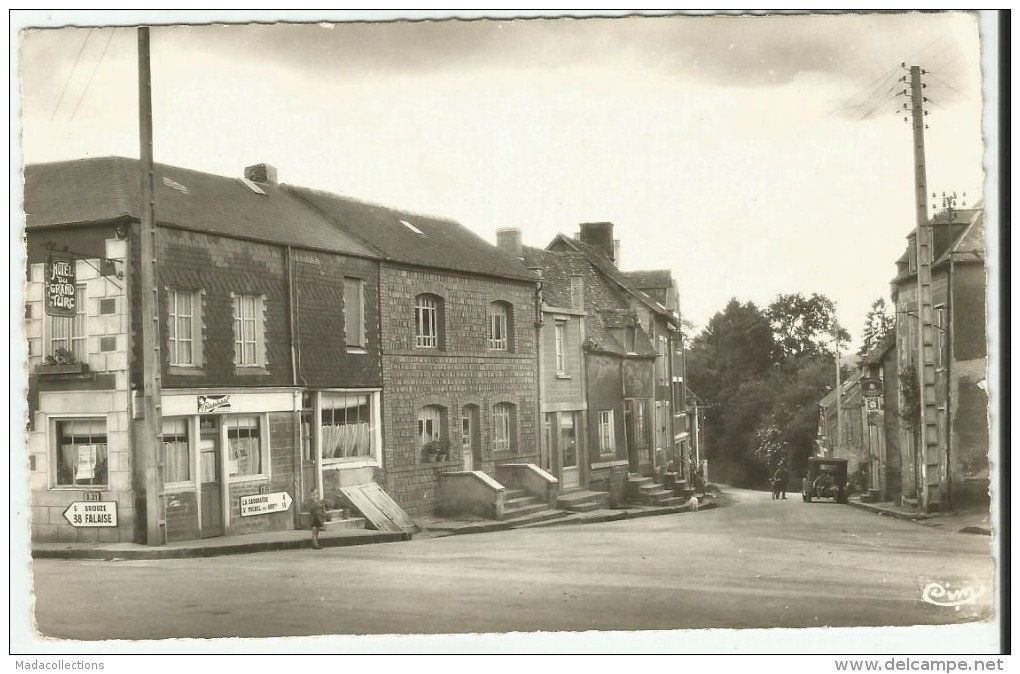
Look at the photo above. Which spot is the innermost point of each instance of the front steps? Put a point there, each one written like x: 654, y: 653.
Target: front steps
x: 521, y: 507
x: 645, y: 491
x: 580, y: 500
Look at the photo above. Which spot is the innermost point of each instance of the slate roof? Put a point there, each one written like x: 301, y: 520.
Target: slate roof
x: 606, y: 267
x: 442, y: 244
x: 87, y: 191
x: 605, y: 306
x: 659, y: 279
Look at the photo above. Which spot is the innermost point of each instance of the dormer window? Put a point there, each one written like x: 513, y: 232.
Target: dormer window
x: 411, y: 227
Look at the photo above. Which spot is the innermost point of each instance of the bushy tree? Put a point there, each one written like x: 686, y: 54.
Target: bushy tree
x: 877, y: 325
x: 803, y: 325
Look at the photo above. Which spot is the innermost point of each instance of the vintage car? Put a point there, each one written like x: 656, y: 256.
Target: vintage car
x: 826, y: 478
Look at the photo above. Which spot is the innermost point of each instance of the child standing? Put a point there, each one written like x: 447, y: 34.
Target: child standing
x: 318, y: 511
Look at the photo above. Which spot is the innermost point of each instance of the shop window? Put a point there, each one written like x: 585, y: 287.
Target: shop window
x: 81, y: 449
x: 176, y: 450
x: 354, y: 312
x: 70, y: 333
x: 249, y: 331
x: 184, y: 327
x: 246, y: 450
x: 500, y: 326
x: 503, y: 428
x: 607, y: 433
x: 346, y: 426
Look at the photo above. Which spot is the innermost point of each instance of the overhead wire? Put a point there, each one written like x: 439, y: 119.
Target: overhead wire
x: 94, y: 71
x: 71, y: 74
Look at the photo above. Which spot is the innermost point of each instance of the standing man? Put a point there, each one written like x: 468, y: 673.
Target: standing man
x: 780, y: 479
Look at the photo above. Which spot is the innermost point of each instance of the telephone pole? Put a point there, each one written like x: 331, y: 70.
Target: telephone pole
x: 839, y: 400
x: 150, y: 443
x: 934, y: 471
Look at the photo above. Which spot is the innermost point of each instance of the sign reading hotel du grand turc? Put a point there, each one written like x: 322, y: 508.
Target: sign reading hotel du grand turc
x: 60, y: 286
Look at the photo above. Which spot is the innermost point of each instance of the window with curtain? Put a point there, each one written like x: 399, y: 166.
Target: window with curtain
x: 346, y: 425
x: 176, y: 450
x: 71, y: 332
x: 81, y: 448
x: 430, y: 424
x: 245, y: 449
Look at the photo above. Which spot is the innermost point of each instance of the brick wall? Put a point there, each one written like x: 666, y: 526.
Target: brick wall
x: 463, y: 373
x: 559, y: 389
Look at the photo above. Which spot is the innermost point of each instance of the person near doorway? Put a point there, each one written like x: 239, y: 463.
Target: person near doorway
x: 317, y: 509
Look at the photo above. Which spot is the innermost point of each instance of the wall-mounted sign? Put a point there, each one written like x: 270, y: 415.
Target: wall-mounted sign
x: 92, y: 514
x: 264, y: 504
x: 871, y: 388
x: 60, y: 286
x: 209, y: 404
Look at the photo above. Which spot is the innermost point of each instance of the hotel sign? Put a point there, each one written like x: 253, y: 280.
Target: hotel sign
x: 60, y: 287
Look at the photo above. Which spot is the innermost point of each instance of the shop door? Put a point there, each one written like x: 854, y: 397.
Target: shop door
x: 210, y: 470
x: 570, y: 477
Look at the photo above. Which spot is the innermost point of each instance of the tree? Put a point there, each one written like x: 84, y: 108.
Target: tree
x: 803, y: 325
x: 877, y: 325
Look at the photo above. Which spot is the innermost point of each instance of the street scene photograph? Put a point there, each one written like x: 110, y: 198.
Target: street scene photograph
x: 491, y: 332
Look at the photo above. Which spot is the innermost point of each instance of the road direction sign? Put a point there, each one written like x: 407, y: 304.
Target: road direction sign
x: 92, y: 514
x: 263, y: 504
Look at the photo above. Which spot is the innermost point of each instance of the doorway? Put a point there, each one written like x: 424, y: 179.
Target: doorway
x: 470, y: 445
x: 570, y: 476
x: 210, y: 477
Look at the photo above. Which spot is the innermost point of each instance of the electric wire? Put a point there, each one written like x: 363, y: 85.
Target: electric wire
x: 94, y: 71
x: 71, y: 74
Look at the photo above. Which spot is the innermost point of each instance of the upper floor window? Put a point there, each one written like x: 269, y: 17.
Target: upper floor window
x: 561, y: 347
x: 428, y: 314
x: 71, y: 333
x: 662, y: 362
x: 500, y: 326
x: 249, y: 338
x: 503, y: 427
x: 184, y: 333
x: 354, y: 312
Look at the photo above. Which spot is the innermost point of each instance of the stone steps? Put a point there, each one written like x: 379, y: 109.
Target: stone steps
x: 582, y: 500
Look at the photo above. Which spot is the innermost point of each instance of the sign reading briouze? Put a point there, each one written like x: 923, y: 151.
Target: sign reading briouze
x: 263, y: 504
x: 92, y: 514
x: 60, y: 286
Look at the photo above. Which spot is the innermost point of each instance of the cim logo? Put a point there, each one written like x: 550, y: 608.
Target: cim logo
x: 940, y: 593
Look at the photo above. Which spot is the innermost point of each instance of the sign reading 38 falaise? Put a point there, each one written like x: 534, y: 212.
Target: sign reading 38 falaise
x: 92, y: 514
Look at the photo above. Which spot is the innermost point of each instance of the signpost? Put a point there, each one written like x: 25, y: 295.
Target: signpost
x: 264, y: 504
x: 91, y: 514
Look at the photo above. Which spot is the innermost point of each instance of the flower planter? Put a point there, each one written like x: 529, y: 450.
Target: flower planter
x: 70, y: 368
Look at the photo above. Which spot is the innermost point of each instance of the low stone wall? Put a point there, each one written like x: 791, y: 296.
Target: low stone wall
x: 470, y: 492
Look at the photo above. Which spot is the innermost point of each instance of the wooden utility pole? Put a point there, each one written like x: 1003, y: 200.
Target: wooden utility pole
x: 933, y: 468
x: 839, y: 400
x: 151, y: 441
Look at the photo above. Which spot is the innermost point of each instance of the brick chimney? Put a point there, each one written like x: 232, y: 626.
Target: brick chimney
x: 599, y: 235
x: 616, y: 252
x: 508, y: 240
x: 261, y: 173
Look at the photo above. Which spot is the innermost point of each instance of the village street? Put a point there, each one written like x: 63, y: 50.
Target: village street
x: 754, y: 562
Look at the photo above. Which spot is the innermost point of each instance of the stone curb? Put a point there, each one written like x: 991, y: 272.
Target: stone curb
x: 914, y: 517
x: 215, y: 551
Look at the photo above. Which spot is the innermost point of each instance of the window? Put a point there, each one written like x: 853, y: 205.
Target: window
x: 629, y: 338
x: 184, y: 335
x: 607, y: 434
x: 430, y: 424
x: 466, y: 429
x: 176, y: 451
x: 249, y: 342
x: 568, y: 439
x: 662, y: 364
x: 354, y: 311
x: 346, y: 425
x: 81, y: 452
x: 245, y: 450
x: 71, y: 332
x: 500, y: 326
x: 426, y: 322
x: 503, y: 427
x: 561, y: 347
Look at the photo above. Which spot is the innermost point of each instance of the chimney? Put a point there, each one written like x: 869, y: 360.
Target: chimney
x: 599, y: 235
x: 616, y: 252
x: 508, y: 240
x: 261, y: 173
x: 577, y: 292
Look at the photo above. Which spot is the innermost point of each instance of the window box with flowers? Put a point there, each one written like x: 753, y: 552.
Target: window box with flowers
x: 61, y: 361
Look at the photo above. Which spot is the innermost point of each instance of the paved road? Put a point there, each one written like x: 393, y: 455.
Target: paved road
x: 753, y: 563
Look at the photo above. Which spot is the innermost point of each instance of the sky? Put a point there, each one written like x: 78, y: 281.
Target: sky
x: 750, y: 155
